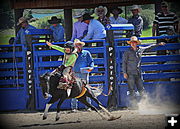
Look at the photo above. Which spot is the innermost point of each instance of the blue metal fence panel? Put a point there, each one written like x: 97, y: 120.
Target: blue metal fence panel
x: 13, y: 92
x: 154, y: 74
x: 41, y: 66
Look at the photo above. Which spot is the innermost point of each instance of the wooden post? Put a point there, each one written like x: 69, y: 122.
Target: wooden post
x: 18, y: 13
x: 68, y: 23
x: 158, y: 6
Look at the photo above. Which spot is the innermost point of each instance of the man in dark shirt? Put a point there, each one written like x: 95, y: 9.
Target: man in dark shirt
x: 136, y: 20
x: 131, y: 67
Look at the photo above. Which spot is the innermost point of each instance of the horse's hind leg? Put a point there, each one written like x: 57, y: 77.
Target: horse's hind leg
x: 101, y: 106
x: 84, y: 101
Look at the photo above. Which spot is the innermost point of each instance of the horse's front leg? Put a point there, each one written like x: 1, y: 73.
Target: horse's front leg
x: 46, y: 110
x: 58, y: 107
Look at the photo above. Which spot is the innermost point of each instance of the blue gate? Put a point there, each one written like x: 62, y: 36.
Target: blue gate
x: 156, y: 75
x: 44, y: 61
x: 13, y: 92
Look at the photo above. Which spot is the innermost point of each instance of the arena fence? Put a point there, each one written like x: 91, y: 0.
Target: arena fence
x: 22, y: 65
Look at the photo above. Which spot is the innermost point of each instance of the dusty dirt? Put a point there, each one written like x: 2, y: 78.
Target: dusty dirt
x: 131, y: 119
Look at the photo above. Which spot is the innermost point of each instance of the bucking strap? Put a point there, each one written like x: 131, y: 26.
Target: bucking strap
x: 82, y: 92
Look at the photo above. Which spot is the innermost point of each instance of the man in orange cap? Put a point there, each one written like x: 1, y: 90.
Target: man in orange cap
x: 131, y: 67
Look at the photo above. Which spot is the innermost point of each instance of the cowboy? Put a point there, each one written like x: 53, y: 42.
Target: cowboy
x: 83, y: 62
x: 101, y: 12
x: 57, y: 29
x: 95, y: 29
x: 131, y: 67
x: 136, y: 20
x: 69, y: 60
x: 21, y: 34
x: 116, y: 19
x: 79, y: 28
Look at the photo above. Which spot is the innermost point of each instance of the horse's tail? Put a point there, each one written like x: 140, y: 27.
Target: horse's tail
x: 98, y: 90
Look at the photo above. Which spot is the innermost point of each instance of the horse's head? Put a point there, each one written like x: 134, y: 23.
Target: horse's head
x: 44, y: 84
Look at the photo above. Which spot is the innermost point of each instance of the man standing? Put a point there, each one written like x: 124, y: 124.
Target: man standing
x: 164, y: 20
x: 21, y: 35
x: 84, y: 60
x: 131, y: 67
x: 57, y: 29
x: 136, y: 20
x: 79, y: 28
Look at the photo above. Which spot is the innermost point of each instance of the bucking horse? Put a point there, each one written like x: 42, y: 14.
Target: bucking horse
x: 79, y: 90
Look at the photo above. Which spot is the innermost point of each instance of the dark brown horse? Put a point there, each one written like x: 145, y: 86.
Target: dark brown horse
x: 49, y: 86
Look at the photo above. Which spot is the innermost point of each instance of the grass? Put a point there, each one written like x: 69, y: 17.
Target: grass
x: 7, y: 34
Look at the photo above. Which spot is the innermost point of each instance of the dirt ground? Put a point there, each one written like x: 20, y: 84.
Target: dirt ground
x: 131, y: 119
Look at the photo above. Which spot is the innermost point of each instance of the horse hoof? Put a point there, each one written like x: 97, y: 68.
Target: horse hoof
x: 44, y: 117
x: 113, y: 118
x: 57, y: 118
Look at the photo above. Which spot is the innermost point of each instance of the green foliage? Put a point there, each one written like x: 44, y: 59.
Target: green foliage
x: 43, y: 22
x: 148, y: 18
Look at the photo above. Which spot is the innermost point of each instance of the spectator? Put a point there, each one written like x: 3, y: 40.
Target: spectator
x: 21, y: 34
x: 131, y: 67
x: 95, y: 29
x: 58, y: 30
x: 79, y: 28
x: 101, y: 13
x: 116, y: 19
x: 84, y: 60
x: 164, y: 21
x: 136, y: 20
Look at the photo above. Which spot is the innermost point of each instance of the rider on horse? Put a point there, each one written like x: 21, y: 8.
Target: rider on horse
x: 69, y: 60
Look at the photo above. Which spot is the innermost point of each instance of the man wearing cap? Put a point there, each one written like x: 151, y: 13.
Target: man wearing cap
x: 21, y: 35
x: 131, y: 67
x: 136, y: 20
x: 84, y: 61
x: 95, y: 29
x: 79, y: 28
x: 116, y: 19
x: 57, y: 29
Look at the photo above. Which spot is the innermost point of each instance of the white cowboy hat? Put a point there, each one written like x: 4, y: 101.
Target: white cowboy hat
x: 21, y: 20
x: 77, y: 41
x: 78, y: 14
x: 100, y: 7
x: 135, y: 7
x: 134, y: 39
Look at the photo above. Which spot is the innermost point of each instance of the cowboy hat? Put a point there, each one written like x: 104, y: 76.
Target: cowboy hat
x: 78, y: 14
x: 100, y: 7
x: 77, y: 41
x: 135, y: 7
x: 134, y: 39
x: 116, y: 8
x: 87, y: 16
x: 21, y: 20
x: 54, y: 20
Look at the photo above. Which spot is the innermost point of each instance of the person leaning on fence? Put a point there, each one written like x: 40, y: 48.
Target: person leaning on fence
x: 116, y: 19
x: 164, y: 22
x: 95, y: 29
x: 101, y: 12
x: 84, y: 60
x: 136, y: 20
x: 69, y: 60
x: 21, y: 34
x: 79, y: 28
x: 131, y: 67
x: 57, y: 29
